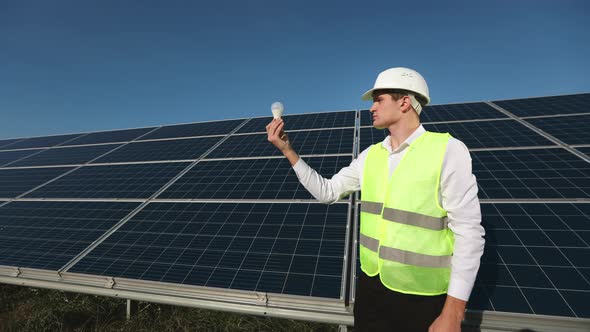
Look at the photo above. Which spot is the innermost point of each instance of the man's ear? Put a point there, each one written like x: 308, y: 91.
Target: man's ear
x: 406, y: 105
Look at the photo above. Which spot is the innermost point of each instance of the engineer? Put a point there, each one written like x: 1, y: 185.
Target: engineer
x: 421, y: 237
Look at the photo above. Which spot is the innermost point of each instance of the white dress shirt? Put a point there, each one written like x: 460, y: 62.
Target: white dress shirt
x: 458, y: 196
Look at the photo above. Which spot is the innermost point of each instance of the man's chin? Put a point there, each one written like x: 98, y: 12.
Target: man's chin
x: 377, y: 126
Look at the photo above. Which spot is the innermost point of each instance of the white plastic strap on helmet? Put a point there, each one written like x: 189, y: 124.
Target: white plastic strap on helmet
x: 415, y: 103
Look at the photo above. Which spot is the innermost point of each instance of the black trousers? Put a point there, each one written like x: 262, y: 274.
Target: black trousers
x: 377, y: 308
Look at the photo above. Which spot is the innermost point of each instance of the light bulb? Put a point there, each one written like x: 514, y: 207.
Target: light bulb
x: 277, y: 109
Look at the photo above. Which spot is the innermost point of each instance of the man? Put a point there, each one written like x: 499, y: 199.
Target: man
x: 420, y: 235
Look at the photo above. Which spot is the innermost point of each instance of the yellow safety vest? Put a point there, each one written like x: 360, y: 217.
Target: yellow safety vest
x: 404, y: 235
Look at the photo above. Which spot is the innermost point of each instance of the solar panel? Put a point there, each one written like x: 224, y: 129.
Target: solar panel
x: 450, y: 112
x: 7, y: 142
x: 7, y: 157
x: 114, y: 136
x: 536, y: 259
x: 278, y: 248
x: 370, y: 136
x: 337, y: 141
x: 65, y: 156
x: 535, y: 173
x: 179, y: 149
x: 568, y: 129
x: 570, y: 104
x: 14, y: 182
x: 41, y: 142
x: 249, y: 179
x: 46, y: 235
x: 112, y: 181
x: 195, y: 129
x: 304, y: 121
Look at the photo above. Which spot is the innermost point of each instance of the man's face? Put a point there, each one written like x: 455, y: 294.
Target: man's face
x: 385, y: 110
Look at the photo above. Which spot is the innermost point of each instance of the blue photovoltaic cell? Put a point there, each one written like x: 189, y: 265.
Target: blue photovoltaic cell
x: 113, y: 181
x: 114, y: 136
x: 304, y: 121
x: 47, y: 235
x: 585, y: 150
x: 195, y: 129
x: 338, y: 141
x: 450, y: 112
x: 369, y: 136
x: 180, y: 149
x: 6, y: 142
x: 535, y: 259
x: 568, y: 129
x: 14, y: 182
x: 294, y: 249
x: 41, y: 142
x: 571, y: 104
x: 7, y: 157
x: 535, y: 173
x: 65, y: 156
x: 249, y: 179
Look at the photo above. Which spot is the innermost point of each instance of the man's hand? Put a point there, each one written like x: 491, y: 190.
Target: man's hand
x: 451, y: 316
x: 278, y: 137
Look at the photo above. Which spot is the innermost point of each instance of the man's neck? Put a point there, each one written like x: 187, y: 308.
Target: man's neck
x: 400, y: 132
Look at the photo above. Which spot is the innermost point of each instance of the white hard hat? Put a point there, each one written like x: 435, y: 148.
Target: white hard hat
x: 403, y: 79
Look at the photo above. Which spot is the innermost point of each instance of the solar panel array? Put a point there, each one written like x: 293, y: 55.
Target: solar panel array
x: 194, y: 204
x: 214, y: 204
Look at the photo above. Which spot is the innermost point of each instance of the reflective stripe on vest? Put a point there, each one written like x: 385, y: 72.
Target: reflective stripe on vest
x: 405, y: 217
x: 404, y: 236
x: 404, y: 256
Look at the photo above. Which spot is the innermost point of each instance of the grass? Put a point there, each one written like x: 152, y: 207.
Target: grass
x: 36, y: 310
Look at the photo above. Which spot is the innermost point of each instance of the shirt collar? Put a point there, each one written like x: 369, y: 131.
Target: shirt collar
x: 417, y: 133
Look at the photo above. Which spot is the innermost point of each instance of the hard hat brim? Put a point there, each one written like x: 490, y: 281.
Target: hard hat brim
x: 368, y: 95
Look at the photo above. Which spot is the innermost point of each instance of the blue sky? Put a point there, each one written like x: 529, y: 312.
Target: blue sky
x: 76, y: 66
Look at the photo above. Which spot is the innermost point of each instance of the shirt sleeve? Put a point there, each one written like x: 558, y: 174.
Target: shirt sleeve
x: 459, y: 199
x: 328, y: 191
